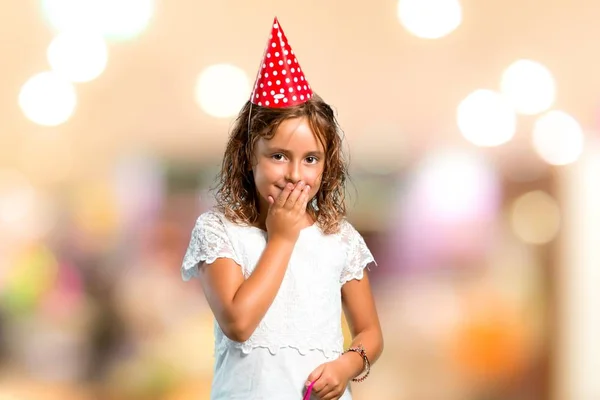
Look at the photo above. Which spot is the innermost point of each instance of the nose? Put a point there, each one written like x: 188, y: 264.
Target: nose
x: 293, y: 174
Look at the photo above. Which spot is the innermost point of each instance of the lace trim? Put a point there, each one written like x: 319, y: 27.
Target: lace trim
x: 208, y: 241
x: 351, y: 275
x: 329, y: 350
x: 358, y: 254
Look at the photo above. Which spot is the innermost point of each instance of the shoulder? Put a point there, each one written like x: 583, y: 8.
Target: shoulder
x: 213, y: 218
x: 210, y: 222
x: 351, y: 237
x: 216, y: 222
x: 347, y: 230
x: 347, y: 235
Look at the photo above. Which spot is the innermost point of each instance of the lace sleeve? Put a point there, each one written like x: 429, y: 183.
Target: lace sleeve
x: 208, y: 242
x: 358, y: 255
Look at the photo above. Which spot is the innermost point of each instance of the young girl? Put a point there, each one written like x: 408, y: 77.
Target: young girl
x: 276, y: 259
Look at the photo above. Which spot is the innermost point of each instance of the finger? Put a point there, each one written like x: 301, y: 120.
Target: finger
x: 316, y: 374
x: 283, y: 196
x: 293, y: 198
x: 321, y: 388
x: 270, y: 200
x: 302, y: 202
x: 332, y: 395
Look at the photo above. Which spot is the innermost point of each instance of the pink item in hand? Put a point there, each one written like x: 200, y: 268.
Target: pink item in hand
x: 308, y: 390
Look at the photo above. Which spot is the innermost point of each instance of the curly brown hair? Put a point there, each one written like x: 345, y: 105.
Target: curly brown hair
x: 236, y: 195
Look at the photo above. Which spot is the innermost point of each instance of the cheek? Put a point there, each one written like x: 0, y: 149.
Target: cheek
x: 265, y: 175
x: 314, y: 181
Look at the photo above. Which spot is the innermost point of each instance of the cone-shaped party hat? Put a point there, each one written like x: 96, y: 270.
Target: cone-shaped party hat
x: 280, y: 81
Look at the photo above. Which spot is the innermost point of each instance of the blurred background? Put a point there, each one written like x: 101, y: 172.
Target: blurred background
x: 472, y: 130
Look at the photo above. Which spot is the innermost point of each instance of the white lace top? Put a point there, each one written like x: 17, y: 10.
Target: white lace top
x: 302, y: 328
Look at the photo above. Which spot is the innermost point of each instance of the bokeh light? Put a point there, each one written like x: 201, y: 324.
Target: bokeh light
x: 535, y: 217
x: 486, y: 118
x: 529, y: 85
x: 430, y: 19
x: 455, y: 184
x: 139, y: 188
x: 65, y: 296
x: 558, y: 138
x: 25, y: 212
x: 33, y: 275
x: 114, y: 19
x: 492, y: 342
x: 78, y: 56
x: 451, y: 202
x: 95, y: 211
x: 222, y: 90
x: 47, y: 99
x: 17, y: 196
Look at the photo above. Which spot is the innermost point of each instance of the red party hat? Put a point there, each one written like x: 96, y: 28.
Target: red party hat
x: 280, y: 81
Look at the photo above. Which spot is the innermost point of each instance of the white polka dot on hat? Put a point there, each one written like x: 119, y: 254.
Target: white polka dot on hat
x: 279, y: 71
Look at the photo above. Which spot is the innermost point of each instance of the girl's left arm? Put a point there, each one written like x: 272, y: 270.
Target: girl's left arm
x: 330, y: 379
x: 361, y: 314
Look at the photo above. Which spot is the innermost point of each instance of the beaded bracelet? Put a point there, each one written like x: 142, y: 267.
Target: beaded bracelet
x: 367, y: 365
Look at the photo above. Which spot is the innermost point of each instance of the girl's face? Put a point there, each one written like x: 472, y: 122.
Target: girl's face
x: 293, y: 154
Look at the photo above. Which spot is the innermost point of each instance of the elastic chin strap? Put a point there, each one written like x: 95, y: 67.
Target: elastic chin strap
x: 249, y: 118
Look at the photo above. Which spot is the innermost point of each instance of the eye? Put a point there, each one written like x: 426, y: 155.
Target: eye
x: 278, y: 157
x: 312, y: 159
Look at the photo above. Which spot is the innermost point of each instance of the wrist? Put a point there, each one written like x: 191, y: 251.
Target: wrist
x: 284, y: 240
x: 360, y: 350
x: 352, y: 363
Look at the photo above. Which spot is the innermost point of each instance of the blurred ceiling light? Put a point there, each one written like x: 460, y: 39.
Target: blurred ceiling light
x: 222, y: 90
x: 47, y: 99
x: 486, y: 118
x: 430, y: 19
x: 65, y: 15
x: 535, y: 217
x: 558, y: 138
x: 114, y: 19
x: 124, y: 19
x: 78, y: 56
x: 529, y: 86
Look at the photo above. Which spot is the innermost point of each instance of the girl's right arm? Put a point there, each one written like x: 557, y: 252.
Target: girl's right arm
x: 240, y: 304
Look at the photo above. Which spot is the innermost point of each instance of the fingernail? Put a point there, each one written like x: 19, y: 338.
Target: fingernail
x: 307, y: 383
x: 307, y: 187
x: 289, y: 185
x: 300, y: 183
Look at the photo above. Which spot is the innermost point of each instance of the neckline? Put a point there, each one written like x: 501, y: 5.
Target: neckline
x: 263, y: 231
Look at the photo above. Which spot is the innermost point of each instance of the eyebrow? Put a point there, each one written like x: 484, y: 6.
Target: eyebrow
x: 315, y: 153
